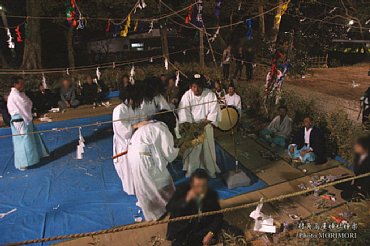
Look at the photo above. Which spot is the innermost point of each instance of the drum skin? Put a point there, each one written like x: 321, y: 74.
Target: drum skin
x: 229, y: 118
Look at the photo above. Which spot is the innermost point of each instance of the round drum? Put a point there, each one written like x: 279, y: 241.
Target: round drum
x: 229, y: 118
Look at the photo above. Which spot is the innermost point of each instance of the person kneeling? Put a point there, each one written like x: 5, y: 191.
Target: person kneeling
x: 194, y: 198
x: 150, y: 150
x: 280, y: 128
x: 308, y: 144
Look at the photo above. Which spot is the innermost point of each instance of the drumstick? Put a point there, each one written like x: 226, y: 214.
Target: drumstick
x: 120, y: 154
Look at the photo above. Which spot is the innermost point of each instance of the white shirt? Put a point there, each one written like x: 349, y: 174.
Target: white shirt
x: 307, y: 133
x: 19, y: 103
x: 235, y: 101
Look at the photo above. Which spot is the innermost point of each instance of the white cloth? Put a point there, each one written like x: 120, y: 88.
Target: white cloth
x: 122, y: 134
x: 203, y: 155
x: 151, y: 149
x: 157, y: 104
x: 307, y: 133
x: 235, y: 101
x: 19, y: 103
x: 281, y: 128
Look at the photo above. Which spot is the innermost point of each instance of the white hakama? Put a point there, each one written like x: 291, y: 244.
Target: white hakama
x: 151, y: 149
x: 194, y: 109
x: 121, y: 138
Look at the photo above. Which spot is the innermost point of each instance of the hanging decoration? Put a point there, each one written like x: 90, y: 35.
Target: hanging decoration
x: 177, y: 78
x: 108, y: 26
x: 240, y: 6
x: 218, y: 8
x: 44, y: 84
x: 113, y: 65
x: 98, y: 73
x: 67, y: 71
x: 18, y: 33
x: 132, y: 74
x: 199, y: 18
x: 151, y: 59
x: 184, y: 52
x: 80, y: 146
x: 136, y: 25
x: 81, y: 23
x: 127, y: 26
x: 151, y: 25
x: 11, y: 44
x: 140, y: 4
x: 71, y: 13
x: 248, y: 22
x: 213, y: 38
x: 283, y: 9
x: 166, y: 63
x: 208, y: 50
x: 116, y: 30
x: 188, y: 17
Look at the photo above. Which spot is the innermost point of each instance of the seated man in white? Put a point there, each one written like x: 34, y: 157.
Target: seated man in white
x: 199, y: 104
x: 280, y: 128
x: 233, y: 99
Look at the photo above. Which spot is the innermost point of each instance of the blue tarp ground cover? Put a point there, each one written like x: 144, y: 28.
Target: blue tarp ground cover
x: 63, y: 195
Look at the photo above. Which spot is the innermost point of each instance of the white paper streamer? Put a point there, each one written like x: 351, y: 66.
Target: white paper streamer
x: 151, y: 26
x: 98, y: 73
x: 81, y: 145
x: 114, y: 65
x: 67, y: 71
x: 151, y: 59
x: 177, y: 78
x: 11, y: 44
x: 166, y: 63
x: 132, y: 74
x: 184, y: 52
x: 213, y: 38
x: 44, y: 84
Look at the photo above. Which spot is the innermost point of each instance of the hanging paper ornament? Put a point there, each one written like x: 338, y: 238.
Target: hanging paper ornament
x: 79, y: 84
x: 218, y: 8
x: 11, y: 44
x: 188, y: 17
x: 108, y: 26
x: 283, y: 9
x: 136, y: 24
x: 177, y: 78
x: 151, y: 26
x: 248, y: 22
x: 199, y: 18
x: 124, y: 31
x: 213, y: 38
x: 67, y: 71
x: 97, y: 84
x: 140, y: 4
x: 80, y: 146
x: 81, y: 23
x: 18, y: 33
x: 98, y: 73
x: 166, y: 63
x: 114, y: 65
x: 184, y: 52
x: 132, y: 74
x: 151, y: 59
x: 44, y: 84
x: 207, y: 51
x: 240, y: 6
x: 71, y: 13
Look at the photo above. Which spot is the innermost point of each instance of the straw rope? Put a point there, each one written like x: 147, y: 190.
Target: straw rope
x: 189, y: 217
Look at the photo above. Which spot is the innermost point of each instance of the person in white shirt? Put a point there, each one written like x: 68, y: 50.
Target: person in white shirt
x: 28, y: 148
x: 233, y: 99
x: 199, y: 104
x: 280, y: 128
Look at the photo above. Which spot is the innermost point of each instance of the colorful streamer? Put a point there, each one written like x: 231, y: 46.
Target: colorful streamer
x: 218, y: 8
x: 18, y: 33
x: 278, y: 16
x: 249, y: 29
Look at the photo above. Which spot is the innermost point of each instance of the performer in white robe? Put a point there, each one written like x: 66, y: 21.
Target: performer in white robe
x: 196, y: 105
x: 151, y: 149
x: 123, y: 130
x: 28, y: 148
x: 233, y: 99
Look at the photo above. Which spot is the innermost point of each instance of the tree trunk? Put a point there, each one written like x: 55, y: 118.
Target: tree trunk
x: 201, y: 49
x: 276, y: 26
x: 71, y: 52
x: 32, y: 43
x: 261, y: 19
x: 164, y: 41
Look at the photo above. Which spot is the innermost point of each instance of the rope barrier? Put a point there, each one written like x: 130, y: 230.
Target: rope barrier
x: 189, y: 217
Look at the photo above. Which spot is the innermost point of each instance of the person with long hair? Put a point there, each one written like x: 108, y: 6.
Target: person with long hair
x: 127, y: 117
x: 29, y: 147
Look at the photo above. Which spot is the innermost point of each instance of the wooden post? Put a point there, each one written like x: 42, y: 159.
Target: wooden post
x: 261, y: 18
x: 163, y: 32
x: 201, y: 49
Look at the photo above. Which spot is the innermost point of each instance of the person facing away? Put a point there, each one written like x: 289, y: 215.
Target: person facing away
x: 126, y: 119
x: 150, y: 150
x: 359, y: 188
x: 28, y: 148
x: 226, y: 60
x: 279, y: 129
x: 308, y: 143
x: 44, y: 99
x: 233, y: 99
x: 239, y: 61
x: 68, y: 95
x: 199, y: 105
x: 193, y: 198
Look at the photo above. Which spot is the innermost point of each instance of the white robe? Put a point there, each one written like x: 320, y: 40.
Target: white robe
x: 19, y: 103
x: 235, y: 101
x: 203, y: 155
x: 151, y: 149
x: 157, y: 104
x: 284, y: 129
x: 122, y: 134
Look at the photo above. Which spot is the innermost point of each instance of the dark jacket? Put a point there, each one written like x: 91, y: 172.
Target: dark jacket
x: 178, y: 206
x: 362, y: 168
x: 317, y: 143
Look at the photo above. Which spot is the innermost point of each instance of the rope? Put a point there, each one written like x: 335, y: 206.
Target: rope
x: 189, y: 217
x: 103, y: 122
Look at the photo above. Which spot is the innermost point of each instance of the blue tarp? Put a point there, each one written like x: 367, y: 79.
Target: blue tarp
x: 64, y: 195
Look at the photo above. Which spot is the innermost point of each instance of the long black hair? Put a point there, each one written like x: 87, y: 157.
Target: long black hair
x: 151, y: 87
x: 168, y: 118
x: 131, y: 95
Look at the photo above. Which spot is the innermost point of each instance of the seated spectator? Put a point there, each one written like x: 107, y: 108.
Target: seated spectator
x: 68, y: 96
x: 359, y: 188
x: 91, y: 92
x: 172, y: 92
x: 308, y: 144
x: 217, y: 88
x: 280, y: 128
x: 4, y: 110
x: 44, y: 100
x: 193, y: 198
x: 125, y: 81
x: 163, y: 79
x: 233, y: 99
